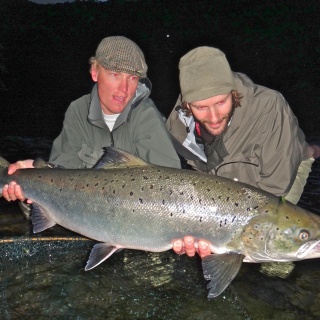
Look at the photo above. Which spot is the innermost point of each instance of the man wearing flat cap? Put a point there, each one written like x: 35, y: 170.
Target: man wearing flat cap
x: 226, y: 125
x: 118, y: 112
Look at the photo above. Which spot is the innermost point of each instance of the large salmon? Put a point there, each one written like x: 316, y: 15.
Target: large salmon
x: 127, y: 203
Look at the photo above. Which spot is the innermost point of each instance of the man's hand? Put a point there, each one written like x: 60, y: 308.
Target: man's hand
x: 12, y: 191
x: 187, y: 245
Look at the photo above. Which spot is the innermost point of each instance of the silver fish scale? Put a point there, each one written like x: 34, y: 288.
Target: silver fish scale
x: 143, y: 207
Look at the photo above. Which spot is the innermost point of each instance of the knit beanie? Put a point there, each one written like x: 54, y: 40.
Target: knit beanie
x: 120, y: 54
x: 204, y: 73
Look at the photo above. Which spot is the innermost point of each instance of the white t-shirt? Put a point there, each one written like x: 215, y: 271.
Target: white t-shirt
x: 110, y: 119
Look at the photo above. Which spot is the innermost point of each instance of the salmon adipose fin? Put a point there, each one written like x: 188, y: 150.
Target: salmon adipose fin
x: 39, y: 219
x: 220, y: 270
x: 99, y: 253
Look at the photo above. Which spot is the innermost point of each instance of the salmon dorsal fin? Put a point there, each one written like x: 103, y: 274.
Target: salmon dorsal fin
x: 116, y: 158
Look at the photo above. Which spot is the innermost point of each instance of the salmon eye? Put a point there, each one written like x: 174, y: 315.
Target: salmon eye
x: 304, y: 235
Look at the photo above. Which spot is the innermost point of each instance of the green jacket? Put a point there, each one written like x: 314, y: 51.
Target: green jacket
x: 263, y: 145
x: 140, y: 129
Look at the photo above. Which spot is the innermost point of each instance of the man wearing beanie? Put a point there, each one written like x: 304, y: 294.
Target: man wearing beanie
x: 226, y: 125
x: 118, y: 112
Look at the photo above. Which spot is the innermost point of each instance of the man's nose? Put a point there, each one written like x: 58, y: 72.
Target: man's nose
x: 212, y: 114
x: 123, y: 85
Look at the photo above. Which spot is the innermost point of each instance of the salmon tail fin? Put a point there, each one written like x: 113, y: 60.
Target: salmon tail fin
x: 4, y: 163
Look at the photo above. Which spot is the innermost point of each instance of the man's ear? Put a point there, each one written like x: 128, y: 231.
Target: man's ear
x: 94, y: 72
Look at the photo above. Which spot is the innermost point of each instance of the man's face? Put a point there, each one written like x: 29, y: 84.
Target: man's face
x: 213, y: 113
x: 115, y: 89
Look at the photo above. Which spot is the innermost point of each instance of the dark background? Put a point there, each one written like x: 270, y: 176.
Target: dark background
x: 44, y: 51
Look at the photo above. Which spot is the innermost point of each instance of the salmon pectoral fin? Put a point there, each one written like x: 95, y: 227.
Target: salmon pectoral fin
x: 99, y: 253
x: 220, y: 270
x: 39, y: 219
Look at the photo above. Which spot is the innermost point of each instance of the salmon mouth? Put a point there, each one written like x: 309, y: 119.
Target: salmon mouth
x: 309, y: 250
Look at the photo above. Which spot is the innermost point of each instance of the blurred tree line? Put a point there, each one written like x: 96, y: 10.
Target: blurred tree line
x: 44, y: 51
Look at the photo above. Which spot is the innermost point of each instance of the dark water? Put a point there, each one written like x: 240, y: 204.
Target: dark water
x: 42, y: 276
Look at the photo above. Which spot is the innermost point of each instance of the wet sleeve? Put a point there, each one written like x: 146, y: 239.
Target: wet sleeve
x: 152, y: 139
x: 282, y: 149
x: 66, y: 146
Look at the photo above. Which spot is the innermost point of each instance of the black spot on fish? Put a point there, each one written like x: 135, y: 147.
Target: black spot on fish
x: 225, y: 221
x: 161, y: 188
x: 112, y: 181
x: 114, y: 191
x: 200, y: 200
x: 171, y: 192
x: 236, y: 204
x: 123, y: 186
x: 102, y: 188
x: 219, y: 197
x: 220, y: 223
x: 200, y: 219
x: 248, y: 209
x: 133, y: 179
x: 181, y: 193
x: 228, y: 198
x: 234, y: 218
x: 167, y: 177
x: 249, y: 197
x: 163, y: 202
x: 256, y: 207
x: 208, y: 190
x: 96, y: 184
x: 171, y: 214
x: 51, y: 180
x: 142, y: 188
x: 87, y: 184
x: 140, y: 200
x: 213, y: 200
x: 60, y: 190
x: 191, y: 197
x: 287, y: 217
x: 151, y: 187
x: 131, y: 193
x: 145, y: 178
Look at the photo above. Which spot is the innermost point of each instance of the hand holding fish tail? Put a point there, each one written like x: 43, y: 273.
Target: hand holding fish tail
x: 188, y: 246
x: 12, y: 191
